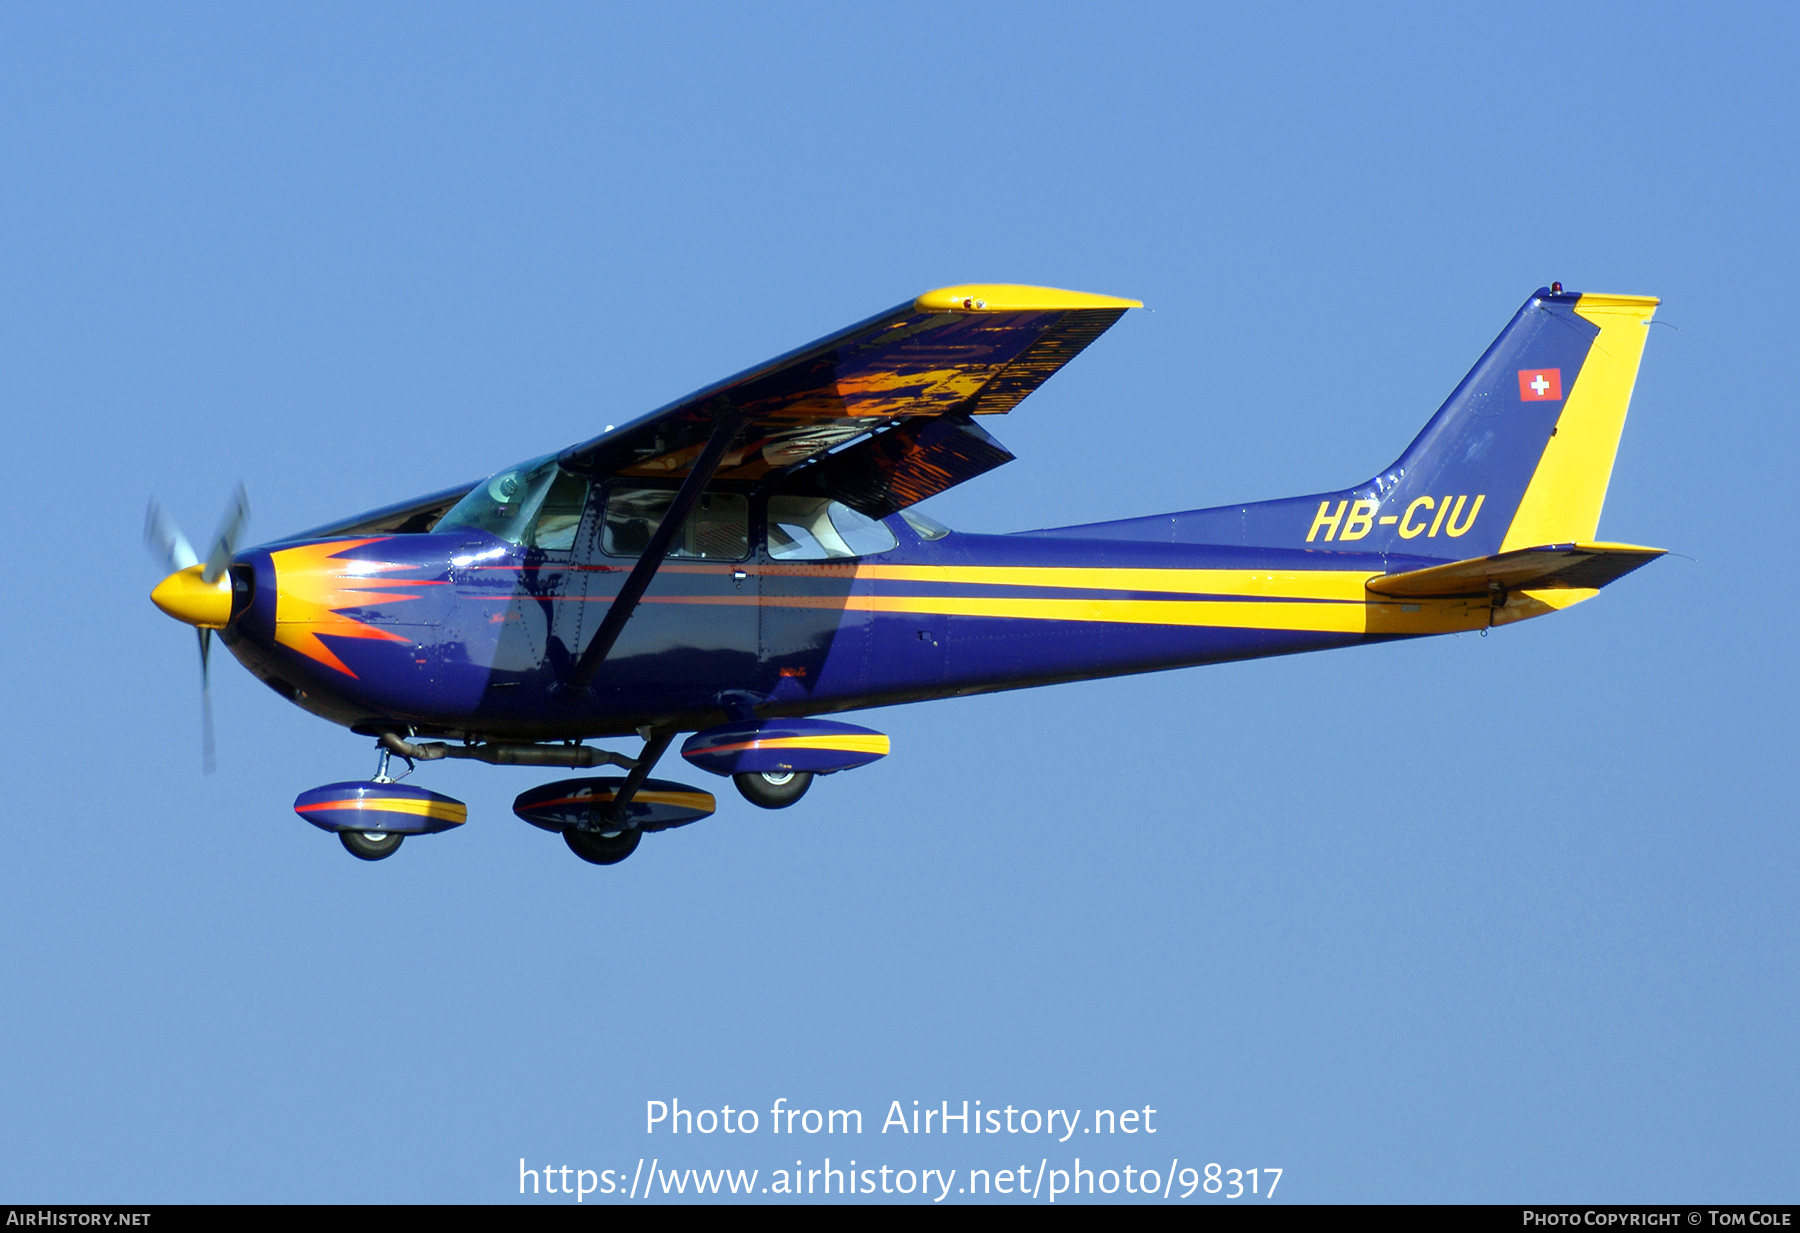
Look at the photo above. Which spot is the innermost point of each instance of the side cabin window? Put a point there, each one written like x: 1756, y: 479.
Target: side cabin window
x: 817, y: 529
x: 536, y: 504
x: 559, y: 516
x: 718, y: 529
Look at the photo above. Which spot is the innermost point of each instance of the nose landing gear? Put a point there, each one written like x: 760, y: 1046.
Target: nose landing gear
x: 371, y: 817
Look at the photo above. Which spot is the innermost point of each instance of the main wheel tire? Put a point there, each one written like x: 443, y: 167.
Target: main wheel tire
x: 370, y: 845
x: 773, y: 791
x: 602, y: 849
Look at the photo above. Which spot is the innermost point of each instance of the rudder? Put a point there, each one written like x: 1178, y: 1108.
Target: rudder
x: 1562, y: 502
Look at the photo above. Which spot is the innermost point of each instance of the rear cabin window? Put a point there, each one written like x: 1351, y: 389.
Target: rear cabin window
x: 928, y: 527
x: 816, y: 529
x: 718, y: 529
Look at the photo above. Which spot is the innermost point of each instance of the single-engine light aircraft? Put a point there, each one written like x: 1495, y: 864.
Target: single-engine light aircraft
x: 747, y: 559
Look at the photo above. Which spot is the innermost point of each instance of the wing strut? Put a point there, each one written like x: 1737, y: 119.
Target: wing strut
x: 725, y: 430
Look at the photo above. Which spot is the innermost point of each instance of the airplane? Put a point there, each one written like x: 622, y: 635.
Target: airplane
x: 748, y: 559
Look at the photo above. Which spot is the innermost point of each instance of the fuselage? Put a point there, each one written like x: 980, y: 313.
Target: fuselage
x: 746, y: 519
x: 468, y: 635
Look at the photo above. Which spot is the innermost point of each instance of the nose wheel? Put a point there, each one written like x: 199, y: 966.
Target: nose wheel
x: 370, y: 845
x: 771, y: 789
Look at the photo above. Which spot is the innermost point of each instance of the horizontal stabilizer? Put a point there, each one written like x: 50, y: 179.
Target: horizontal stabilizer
x: 1551, y: 567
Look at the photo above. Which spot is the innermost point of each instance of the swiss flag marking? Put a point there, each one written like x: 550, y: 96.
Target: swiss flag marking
x: 1540, y: 384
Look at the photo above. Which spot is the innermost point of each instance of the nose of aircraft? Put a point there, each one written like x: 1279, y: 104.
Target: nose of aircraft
x: 188, y: 599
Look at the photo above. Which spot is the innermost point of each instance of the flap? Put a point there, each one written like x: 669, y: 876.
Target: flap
x: 884, y: 473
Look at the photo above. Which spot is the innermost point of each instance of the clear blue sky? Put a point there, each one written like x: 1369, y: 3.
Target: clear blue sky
x: 1466, y: 919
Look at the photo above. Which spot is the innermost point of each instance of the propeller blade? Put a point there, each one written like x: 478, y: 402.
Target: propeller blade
x: 208, y: 761
x: 166, y: 541
x: 225, y: 542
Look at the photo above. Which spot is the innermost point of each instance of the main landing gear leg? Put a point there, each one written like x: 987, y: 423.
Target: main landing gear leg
x: 610, y: 836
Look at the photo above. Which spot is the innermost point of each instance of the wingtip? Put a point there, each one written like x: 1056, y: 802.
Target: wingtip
x: 1015, y: 298
x: 1607, y: 546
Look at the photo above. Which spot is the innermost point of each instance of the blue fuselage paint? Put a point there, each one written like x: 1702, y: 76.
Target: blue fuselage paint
x: 486, y: 631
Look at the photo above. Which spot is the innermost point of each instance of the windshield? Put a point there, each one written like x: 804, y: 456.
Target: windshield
x: 535, y: 503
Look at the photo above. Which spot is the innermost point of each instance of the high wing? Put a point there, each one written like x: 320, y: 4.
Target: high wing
x: 878, y: 416
x: 401, y: 518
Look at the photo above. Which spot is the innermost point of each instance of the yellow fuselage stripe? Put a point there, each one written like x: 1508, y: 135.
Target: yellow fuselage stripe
x: 1344, y: 618
x: 1273, y: 584
x: 1365, y: 615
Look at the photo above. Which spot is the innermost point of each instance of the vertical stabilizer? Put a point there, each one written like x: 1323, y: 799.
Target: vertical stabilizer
x: 1518, y: 456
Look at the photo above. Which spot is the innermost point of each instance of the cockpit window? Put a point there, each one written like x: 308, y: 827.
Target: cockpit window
x: 535, y: 503
x: 816, y: 529
x: 718, y: 529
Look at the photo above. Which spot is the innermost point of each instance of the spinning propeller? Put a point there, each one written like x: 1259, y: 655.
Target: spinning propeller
x: 195, y: 593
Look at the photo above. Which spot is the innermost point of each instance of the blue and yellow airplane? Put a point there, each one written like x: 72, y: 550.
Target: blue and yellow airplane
x: 747, y: 559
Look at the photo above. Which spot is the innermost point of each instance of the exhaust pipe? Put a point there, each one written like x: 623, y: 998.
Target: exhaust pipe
x: 506, y: 755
